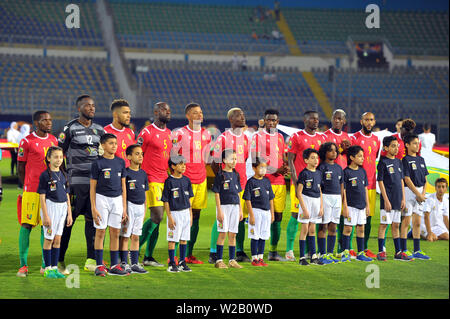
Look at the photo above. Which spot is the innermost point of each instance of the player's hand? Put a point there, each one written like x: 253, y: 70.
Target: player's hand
x: 420, y: 198
x: 272, y: 218
x: 171, y: 223
x: 387, y: 206
x: 345, y: 144
x: 96, y: 216
x: 47, y: 222
x: 367, y: 211
x: 251, y: 219
x: 431, y: 236
x: 241, y: 215
x: 321, y: 212
x: 305, y: 214
x: 69, y: 220
x: 402, y: 205
x: 345, y: 212
x: 124, y: 217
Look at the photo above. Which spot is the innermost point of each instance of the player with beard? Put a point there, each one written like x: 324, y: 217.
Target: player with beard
x: 156, y: 142
x: 339, y: 137
x: 371, y: 146
x: 298, y: 142
x: 31, y: 159
x: 235, y: 139
x: 80, y: 141
x: 120, y: 127
x: 193, y: 142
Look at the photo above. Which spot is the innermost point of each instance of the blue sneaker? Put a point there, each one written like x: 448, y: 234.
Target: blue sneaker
x: 345, y: 256
x: 324, y: 259
x: 335, y: 260
x: 362, y: 257
x: 421, y: 255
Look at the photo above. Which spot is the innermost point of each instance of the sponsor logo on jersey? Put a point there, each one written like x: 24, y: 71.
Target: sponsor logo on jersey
x: 20, y: 154
x: 354, y: 182
x: 107, y: 175
x: 62, y: 137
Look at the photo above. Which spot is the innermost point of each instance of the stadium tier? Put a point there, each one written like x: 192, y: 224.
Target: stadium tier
x: 216, y: 87
x: 43, y: 22
x: 192, y: 27
x: 321, y: 30
x: 29, y: 83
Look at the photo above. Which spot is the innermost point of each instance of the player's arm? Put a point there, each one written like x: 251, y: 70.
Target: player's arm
x: 344, y: 201
x: 387, y: 203
x: 430, y: 235
x: 219, y: 209
x: 403, y: 202
x: 301, y: 202
x: 321, y: 203
x: 409, y: 183
x: 251, y: 215
x: 46, y: 220
x: 367, y: 202
x: 445, y: 217
x: 170, y: 222
x: 21, y: 171
x: 64, y: 139
x: 124, y: 199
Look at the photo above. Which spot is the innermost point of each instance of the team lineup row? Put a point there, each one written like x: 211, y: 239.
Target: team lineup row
x: 114, y: 190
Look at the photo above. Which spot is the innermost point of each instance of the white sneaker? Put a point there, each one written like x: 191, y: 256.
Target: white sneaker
x: 62, y: 268
x: 290, y: 255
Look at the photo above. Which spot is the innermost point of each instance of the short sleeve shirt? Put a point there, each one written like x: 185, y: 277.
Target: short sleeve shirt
x: 415, y: 168
x: 137, y: 185
x: 311, y: 182
x: 259, y: 192
x: 355, y: 183
x: 177, y: 192
x: 109, y: 174
x: 228, y: 185
x: 53, y: 186
x: 332, y: 178
x: 390, y: 172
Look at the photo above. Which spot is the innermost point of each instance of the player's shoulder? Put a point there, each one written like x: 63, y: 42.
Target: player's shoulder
x: 70, y: 124
x: 108, y: 128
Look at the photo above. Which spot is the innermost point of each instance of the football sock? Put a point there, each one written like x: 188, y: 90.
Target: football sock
x: 172, y: 255
x: 182, y: 252
x: 194, y: 234
x: 42, y: 246
x: 367, y: 229
x: 99, y: 256
x: 291, y: 231
x: 47, y: 253
x: 331, y: 242
x: 240, y: 236
x: 24, y: 245
x: 345, y: 242
x: 232, y: 252
x: 360, y: 243
x: 124, y: 256
x: 340, y: 229
x: 114, y: 257
x: 134, y: 257
x: 403, y: 244
x: 219, y: 252
x: 55, y: 256
x: 322, y: 244
x: 254, y: 247
x: 380, y: 244
x: 416, y: 244
x: 302, y: 248
x: 152, y: 240
x: 261, y: 245
x: 275, y: 233
x: 214, y: 236
x: 397, y: 245
x: 311, y: 240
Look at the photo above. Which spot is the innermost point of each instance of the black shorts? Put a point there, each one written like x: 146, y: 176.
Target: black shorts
x: 81, y: 201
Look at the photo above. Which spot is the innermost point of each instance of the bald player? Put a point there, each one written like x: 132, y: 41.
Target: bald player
x: 298, y: 142
x: 235, y: 139
x: 336, y: 135
x: 193, y: 142
x: 371, y: 146
x: 156, y: 142
x: 120, y: 127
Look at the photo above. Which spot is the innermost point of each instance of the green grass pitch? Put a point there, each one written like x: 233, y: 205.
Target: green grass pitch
x: 281, y: 280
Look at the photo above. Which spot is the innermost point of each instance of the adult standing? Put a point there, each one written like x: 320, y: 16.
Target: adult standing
x: 13, y: 137
x: 80, y: 141
x: 193, y: 142
x: 336, y: 135
x: 120, y: 127
x: 407, y: 128
x: 427, y: 138
x: 371, y: 146
x: 235, y: 139
x: 31, y: 158
x: 269, y: 144
x: 298, y: 142
x: 156, y: 142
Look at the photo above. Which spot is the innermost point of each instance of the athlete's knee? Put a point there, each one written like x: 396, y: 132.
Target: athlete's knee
x: 294, y: 215
x: 27, y: 226
x: 195, y: 214
x: 278, y: 217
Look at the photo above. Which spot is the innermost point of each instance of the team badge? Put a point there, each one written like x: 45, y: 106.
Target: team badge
x: 170, y: 234
x: 252, y: 231
x: 95, y: 131
x: 391, y: 170
x: 176, y: 194
x: 308, y: 184
x: 413, y: 166
x: 140, y: 140
x: 349, y: 219
x: 52, y: 186
x: 107, y: 175
x: 220, y: 225
x: 49, y: 231
x: 384, y: 218
x: 354, y: 182
x: 129, y: 136
x: 217, y: 147
x: 132, y: 185
x: 374, y: 143
x: 29, y: 216
x: 226, y: 186
x: 319, y: 142
x: 62, y: 137
x: 20, y: 154
x: 290, y: 144
x: 257, y: 193
x: 328, y: 176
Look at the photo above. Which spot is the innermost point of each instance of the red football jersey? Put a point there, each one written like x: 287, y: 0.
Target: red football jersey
x: 241, y: 145
x: 271, y: 147
x: 194, y: 146
x: 371, y: 146
x: 299, y: 142
x: 125, y: 138
x: 32, y: 150
x: 156, y: 145
x: 331, y: 136
x: 401, y: 147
